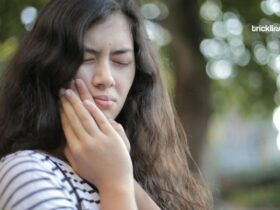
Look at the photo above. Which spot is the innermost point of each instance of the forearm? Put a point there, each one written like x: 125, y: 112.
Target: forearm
x: 119, y: 197
x: 143, y: 200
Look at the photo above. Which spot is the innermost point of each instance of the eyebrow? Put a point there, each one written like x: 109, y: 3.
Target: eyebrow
x: 115, y: 52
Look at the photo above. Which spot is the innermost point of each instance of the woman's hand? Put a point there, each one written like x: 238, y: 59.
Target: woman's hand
x: 81, y: 90
x: 95, y: 149
x: 143, y: 200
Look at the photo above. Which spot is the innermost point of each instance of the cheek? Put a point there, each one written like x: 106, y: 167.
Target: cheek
x: 125, y: 83
x: 84, y: 73
x: 127, y: 80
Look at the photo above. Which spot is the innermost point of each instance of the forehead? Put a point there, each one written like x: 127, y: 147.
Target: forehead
x: 114, y: 32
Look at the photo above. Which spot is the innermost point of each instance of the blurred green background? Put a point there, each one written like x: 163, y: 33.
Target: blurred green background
x: 223, y: 73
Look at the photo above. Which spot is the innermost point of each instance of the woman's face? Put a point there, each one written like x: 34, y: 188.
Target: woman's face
x: 108, y: 68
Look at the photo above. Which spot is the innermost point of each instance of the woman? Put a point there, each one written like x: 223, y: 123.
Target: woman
x: 86, y: 122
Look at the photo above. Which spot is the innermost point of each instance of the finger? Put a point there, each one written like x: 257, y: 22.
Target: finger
x: 73, y: 118
x: 100, y: 119
x: 119, y: 129
x: 73, y: 87
x: 83, y: 90
x: 70, y: 136
x: 84, y: 116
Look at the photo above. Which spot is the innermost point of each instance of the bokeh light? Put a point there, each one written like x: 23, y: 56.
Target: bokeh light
x: 28, y: 16
x: 157, y: 33
x: 278, y: 141
x: 210, y: 11
x: 270, y: 7
x: 260, y: 54
x: 150, y: 11
x: 220, y: 69
x: 276, y: 118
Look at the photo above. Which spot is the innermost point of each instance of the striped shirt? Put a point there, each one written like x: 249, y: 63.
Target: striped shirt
x: 32, y: 180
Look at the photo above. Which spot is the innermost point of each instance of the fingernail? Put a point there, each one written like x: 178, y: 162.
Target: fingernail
x: 62, y: 91
x: 69, y: 92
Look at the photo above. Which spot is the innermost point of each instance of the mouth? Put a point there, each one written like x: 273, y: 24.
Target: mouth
x: 104, y: 101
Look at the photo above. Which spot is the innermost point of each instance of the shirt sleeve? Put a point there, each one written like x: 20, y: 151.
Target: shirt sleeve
x: 25, y: 184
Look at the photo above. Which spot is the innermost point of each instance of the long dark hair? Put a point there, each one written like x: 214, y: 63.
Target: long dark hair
x: 48, y: 59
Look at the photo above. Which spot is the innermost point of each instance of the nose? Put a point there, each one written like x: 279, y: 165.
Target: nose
x: 102, y: 77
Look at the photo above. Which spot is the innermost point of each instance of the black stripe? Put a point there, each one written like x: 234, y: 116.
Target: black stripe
x: 64, y: 179
x: 11, y: 158
x: 69, y: 182
x: 75, y: 180
x: 93, y: 187
x: 89, y: 200
x: 41, y: 157
x: 47, y: 200
x: 82, y: 182
x: 63, y: 207
x: 23, y: 172
x: 21, y: 153
x: 54, y: 169
x: 21, y: 186
x: 16, y: 164
x: 45, y: 158
x: 3, y: 159
x: 35, y: 192
x: 85, y: 190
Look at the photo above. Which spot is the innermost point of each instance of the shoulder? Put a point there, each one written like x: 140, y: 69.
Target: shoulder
x: 24, y: 161
x: 25, y: 164
x: 28, y: 181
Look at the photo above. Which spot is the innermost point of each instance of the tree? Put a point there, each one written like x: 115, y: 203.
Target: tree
x: 192, y: 90
x: 228, y: 44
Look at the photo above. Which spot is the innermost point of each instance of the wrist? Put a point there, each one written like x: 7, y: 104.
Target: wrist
x: 118, y: 195
x: 121, y: 186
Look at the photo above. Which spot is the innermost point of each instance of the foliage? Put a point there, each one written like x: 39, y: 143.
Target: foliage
x: 252, y: 86
x: 11, y: 28
x: 260, y: 196
x: 257, y: 188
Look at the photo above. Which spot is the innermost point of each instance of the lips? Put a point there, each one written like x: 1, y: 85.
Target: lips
x: 104, y: 101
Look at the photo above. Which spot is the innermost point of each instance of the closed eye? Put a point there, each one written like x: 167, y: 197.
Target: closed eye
x: 122, y: 63
x: 89, y: 60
